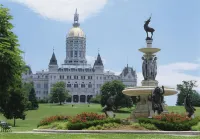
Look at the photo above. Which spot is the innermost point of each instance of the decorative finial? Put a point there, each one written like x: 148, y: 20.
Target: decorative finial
x: 98, y: 50
x: 127, y: 61
x: 76, y: 18
x: 53, y: 49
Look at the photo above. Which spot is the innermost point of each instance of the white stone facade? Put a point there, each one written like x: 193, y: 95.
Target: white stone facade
x: 82, y: 80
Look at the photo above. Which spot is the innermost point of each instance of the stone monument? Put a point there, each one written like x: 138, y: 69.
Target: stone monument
x: 150, y: 94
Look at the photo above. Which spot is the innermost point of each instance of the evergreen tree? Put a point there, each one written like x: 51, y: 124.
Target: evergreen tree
x: 33, y: 100
x: 15, y: 105
x: 11, y: 62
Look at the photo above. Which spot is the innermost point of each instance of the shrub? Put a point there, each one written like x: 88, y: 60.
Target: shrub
x: 84, y: 125
x: 149, y: 126
x: 170, y: 126
x: 104, y: 126
x: 85, y: 117
x: 172, y: 117
x: 49, y: 120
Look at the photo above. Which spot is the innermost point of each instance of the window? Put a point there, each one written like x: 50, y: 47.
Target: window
x: 75, y: 53
x: 75, y: 85
x: 46, y: 86
x: 38, y: 86
x: 83, y: 77
x: 79, y: 54
x: 97, y: 77
x: 89, y: 77
x: 82, y: 85
x: 54, y: 77
x: 68, y: 85
x: 71, y: 53
x: 89, y: 85
x: 75, y: 77
x: 68, y: 77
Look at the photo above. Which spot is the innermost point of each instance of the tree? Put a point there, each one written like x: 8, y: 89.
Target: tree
x: 11, y: 61
x: 59, y: 93
x: 15, y: 106
x: 33, y: 100
x: 27, y: 88
x: 115, y: 89
x: 184, y: 88
x: 96, y: 99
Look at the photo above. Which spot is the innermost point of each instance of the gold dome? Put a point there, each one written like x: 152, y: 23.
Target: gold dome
x: 76, y: 32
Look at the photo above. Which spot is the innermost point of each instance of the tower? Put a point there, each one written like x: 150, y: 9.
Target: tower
x: 75, y: 44
x: 53, y: 66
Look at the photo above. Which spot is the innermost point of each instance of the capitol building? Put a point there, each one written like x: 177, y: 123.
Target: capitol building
x: 83, y: 81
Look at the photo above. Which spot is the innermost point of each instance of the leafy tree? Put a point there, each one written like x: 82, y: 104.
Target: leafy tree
x: 196, y: 99
x: 115, y: 89
x: 11, y: 61
x: 59, y: 93
x: 15, y: 105
x: 184, y: 88
x: 33, y: 100
x: 27, y: 88
x: 96, y: 99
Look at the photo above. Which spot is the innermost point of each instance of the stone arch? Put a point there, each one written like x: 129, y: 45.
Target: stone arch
x: 82, y: 98
x: 75, y: 98
x: 89, y: 97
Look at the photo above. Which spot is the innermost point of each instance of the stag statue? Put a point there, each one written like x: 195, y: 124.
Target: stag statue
x: 148, y: 29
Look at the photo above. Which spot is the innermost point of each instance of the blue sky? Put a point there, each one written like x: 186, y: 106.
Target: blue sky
x: 116, y: 28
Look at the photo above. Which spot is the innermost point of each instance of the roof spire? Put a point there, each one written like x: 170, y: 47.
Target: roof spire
x: 98, y: 50
x: 76, y: 18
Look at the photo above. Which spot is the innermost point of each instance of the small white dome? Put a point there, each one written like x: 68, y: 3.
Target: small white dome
x: 76, y: 32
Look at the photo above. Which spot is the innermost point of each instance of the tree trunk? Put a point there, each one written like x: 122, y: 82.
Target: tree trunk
x: 60, y: 103
x: 14, y: 121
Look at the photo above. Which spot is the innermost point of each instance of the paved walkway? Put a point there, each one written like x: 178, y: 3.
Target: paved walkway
x: 117, y: 131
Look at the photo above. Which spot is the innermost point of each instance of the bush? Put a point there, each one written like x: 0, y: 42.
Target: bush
x: 51, y: 119
x: 104, y: 126
x: 85, y: 117
x: 149, y: 126
x: 172, y: 117
x: 170, y: 126
x: 84, y: 125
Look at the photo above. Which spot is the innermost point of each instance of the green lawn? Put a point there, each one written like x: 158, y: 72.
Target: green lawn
x: 91, y: 136
x: 45, y: 110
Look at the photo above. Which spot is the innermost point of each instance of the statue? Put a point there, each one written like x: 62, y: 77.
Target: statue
x: 148, y: 29
x: 109, y: 106
x: 144, y: 68
x: 188, y: 105
x: 149, y: 67
x: 157, y: 99
x: 154, y: 68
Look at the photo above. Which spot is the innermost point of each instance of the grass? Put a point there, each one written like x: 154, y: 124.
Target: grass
x: 91, y: 136
x: 45, y: 110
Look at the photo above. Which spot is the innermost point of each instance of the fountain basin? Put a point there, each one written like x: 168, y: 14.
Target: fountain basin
x: 146, y: 90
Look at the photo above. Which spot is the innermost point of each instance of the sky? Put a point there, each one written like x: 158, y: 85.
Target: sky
x: 115, y: 27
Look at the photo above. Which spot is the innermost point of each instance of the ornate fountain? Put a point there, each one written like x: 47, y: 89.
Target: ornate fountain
x: 150, y: 94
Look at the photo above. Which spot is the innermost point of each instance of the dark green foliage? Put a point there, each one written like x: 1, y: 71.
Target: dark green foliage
x: 59, y: 93
x: 96, y: 99
x: 33, y: 100
x: 11, y: 62
x: 115, y: 89
x: 15, y: 105
x: 167, y: 126
x: 81, y: 125
x: 27, y: 88
x: 184, y: 88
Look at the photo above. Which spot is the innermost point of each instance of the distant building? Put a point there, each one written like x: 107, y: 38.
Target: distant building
x: 82, y: 80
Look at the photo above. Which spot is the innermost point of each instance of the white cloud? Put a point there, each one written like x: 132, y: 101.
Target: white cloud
x: 63, y: 10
